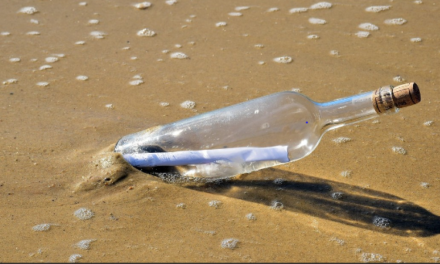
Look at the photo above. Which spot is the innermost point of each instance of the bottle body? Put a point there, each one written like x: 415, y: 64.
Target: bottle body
x: 286, y: 119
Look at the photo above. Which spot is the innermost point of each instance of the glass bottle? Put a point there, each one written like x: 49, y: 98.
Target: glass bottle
x: 249, y: 136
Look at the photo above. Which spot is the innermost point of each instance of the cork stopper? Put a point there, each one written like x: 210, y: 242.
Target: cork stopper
x: 389, y: 97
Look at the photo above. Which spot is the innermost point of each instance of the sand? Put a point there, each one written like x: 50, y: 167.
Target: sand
x: 357, y: 201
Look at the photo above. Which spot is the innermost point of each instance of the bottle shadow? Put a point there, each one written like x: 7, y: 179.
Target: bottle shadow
x: 339, y: 202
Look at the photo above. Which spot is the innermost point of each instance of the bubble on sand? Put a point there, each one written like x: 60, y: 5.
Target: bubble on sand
x: 14, y: 59
x: 261, y: 63
x: 33, y: 33
x: 317, y: 21
x: 235, y: 14
x: 171, y: 2
x: 416, y: 40
x: 424, y: 185
x: 399, y: 150
x: 321, y: 5
x: 239, y: 8
x: 51, y: 59
x: 45, y: 67
x: 41, y: 227
x: 279, y: 181
x: 276, y: 205
x: 341, y: 140
x: 377, y: 9
x: 395, y: 21
x: 74, y: 258
x: 109, y: 106
x: 93, y: 21
x: 371, y: 257
x: 338, y: 195
x: 418, y: 2
x: 133, y: 58
x: 5, y: 33
x: 382, y: 222
x: 146, y: 33
x: 273, y: 9
x: 229, y: 243
x: 368, y: 26
x: 82, y: 78
x: 346, y: 173
x: 337, y: 240
x: 297, y: 90
x: 98, y: 34
x: 221, y: 24
x: 215, y: 203
x: 59, y: 55
x: 82, y: 3
x: 42, y: 84
x: 178, y: 46
x: 164, y: 104
x: 29, y: 10
x: 83, y: 213
x: 251, y: 217
x: 362, y: 34
x: 136, y: 82
x: 283, y: 59
x: 334, y: 53
x: 34, y: 21
x: 298, y: 10
x: 178, y: 55
x: 181, y: 206
x: 143, y: 5
x: 10, y: 81
x: 259, y: 46
x: 427, y: 123
x: 312, y: 37
x: 81, y: 42
x: 398, y: 78
x: 84, y: 244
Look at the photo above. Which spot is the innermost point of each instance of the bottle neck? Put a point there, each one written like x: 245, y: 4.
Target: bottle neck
x: 353, y: 109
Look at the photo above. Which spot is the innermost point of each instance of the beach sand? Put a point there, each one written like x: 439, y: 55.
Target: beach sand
x: 57, y: 132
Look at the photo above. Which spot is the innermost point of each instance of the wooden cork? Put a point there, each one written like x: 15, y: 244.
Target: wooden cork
x: 389, y: 97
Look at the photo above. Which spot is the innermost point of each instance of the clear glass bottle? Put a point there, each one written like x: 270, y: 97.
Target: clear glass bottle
x: 260, y: 133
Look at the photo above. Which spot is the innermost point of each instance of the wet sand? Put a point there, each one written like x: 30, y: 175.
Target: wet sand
x: 56, y: 140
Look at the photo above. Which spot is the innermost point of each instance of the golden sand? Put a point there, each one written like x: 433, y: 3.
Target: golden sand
x: 358, y: 201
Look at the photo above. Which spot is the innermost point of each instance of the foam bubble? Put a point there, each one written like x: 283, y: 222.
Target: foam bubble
x: 41, y: 227
x: 133, y: 58
x: 362, y: 34
x: 346, y: 173
x: 146, y: 33
x: 259, y: 46
x: 93, y: 21
x: 5, y: 33
x: 33, y: 33
x: 74, y: 258
x: 51, y: 59
x: 424, y: 185
x: 313, y: 37
x: 171, y: 2
x: 377, y: 9
x: 261, y: 63
x: 418, y: 2
x: 337, y: 240
x: 178, y: 55
x: 416, y: 40
x: 229, y: 243
x: 215, y: 203
x: 297, y: 90
x: 82, y: 78
x: 136, y: 82
x: 143, y: 5
x: 427, y: 123
x: 137, y: 76
x: 221, y: 24
x: 371, y: 257
x: 45, y: 67
x: 251, y: 217
x: 368, y: 26
x: 84, y: 244
x: 14, y: 59
x: 29, y: 10
x: 240, y: 8
x: 42, y: 84
x: 178, y: 46
x: 181, y: 206
x: 298, y: 10
x: 382, y: 222
x: 395, y: 21
x: 398, y: 78
x: 83, y: 213
x: 81, y: 42
x: 334, y: 53
x: 235, y: 14
x: 109, y: 106
x: 98, y: 34
x: 321, y: 5
x: 279, y: 181
x: 317, y: 21
x: 10, y: 81
x: 399, y: 150
x: 341, y: 140
x: 164, y: 104
x: 34, y: 21
x: 338, y: 195
x: 276, y: 205
x: 283, y: 59
x: 82, y: 3
x: 273, y: 9
x: 59, y: 55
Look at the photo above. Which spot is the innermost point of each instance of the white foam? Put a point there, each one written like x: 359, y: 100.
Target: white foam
x: 51, y: 59
x: 178, y: 46
x: 416, y: 40
x: 418, y: 2
x: 424, y: 185
x: 395, y: 21
x: 399, y: 150
x: 334, y: 53
x: 74, y: 258
x: 229, y: 243
x: 240, y: 8
x: 215, y: 203
x: 273, y: 9
x: 283, y: 59
x: 276, y: 205
x: 221, y: 24
x: 137, y: 76
x: 143, y: 5
x: 313, y: 37
x: 84, y: 244
x: 41, y: 227
x: 93, y: 21
x: 29, y: 10
x: 317, y: 21
x: 181, y: 206
x: 133, y: 58
x: 259, y: 46
x: 109, y: 106
x: 371, y: 257
x: 251, y: 217
x: 33, y: 33
x: 83, y: 213
x: 146, y: 33
x: 346, y: 173
x: 10, y: 81
x: 98, y: 34
x: 235, y: 14
x: 377, y: 9
x: 427, y: 123
x: 368, y: 26
x: 297, y: 10
x: 296, y: 90
x: 59, y: 55
x: 341, y: 140
x: 14, y: 59
x: 178, y: 55
x: 5, y: 33
x: 382, y: 222
x: 164, y: 104
x: 261, y: 62
x: 362, y: 34
x: 45, y: 67
x: 81, y: 42
x: 171, y: 2
x: 34, y: 21
x: 42, y: 84
x: 398, y: 78
x: 82, y: 78
x: 82, y: 3
x: 136, y: 82
x: 321, y: 5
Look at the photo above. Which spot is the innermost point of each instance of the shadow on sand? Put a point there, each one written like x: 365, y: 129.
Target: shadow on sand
x: 340, y: 202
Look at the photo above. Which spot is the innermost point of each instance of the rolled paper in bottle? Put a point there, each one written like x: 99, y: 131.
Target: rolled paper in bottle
x: 236, y: 155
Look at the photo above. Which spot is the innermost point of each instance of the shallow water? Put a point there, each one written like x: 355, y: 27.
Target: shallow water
x: 56, y: 139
